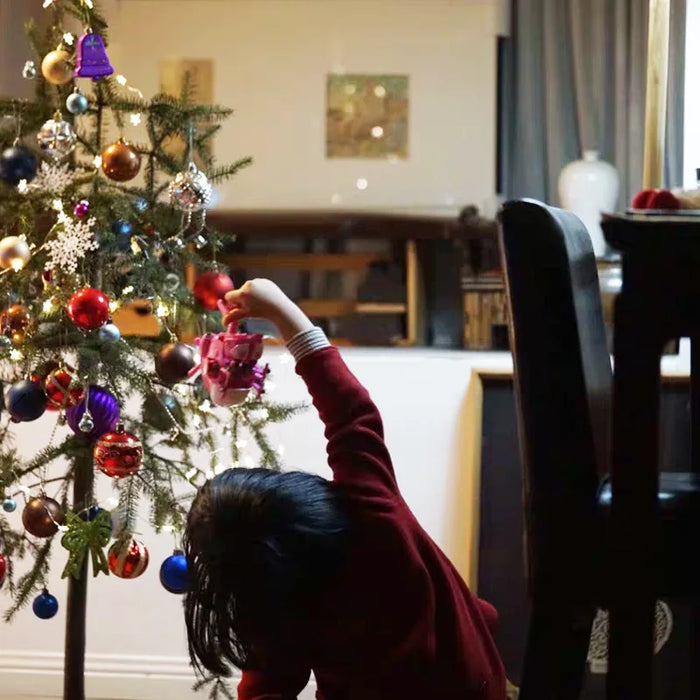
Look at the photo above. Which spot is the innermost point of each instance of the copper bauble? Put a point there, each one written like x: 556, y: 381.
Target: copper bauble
x: 63, y: 388
x: 120, y: 161
x: 56, y: 67
x: 42, y: 516
x: 118, y: 454
x: 174, y: 361
x: 128, y: 561
x: 15, y: 319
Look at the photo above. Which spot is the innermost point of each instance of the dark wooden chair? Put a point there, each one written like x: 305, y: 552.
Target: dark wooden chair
x: 563, y: 381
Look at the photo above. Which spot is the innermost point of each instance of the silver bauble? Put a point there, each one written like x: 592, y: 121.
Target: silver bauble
x: 29, y: 70
x: 190, y: 190
x: 56, y: 138
x: 86, y: 424
x: 109, y: 333
x: 14, y: 252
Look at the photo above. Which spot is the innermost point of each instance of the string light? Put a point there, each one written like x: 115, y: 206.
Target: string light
x: 22, y: 187
x: 135, y: 118
x: 113, y: 306
x: 16, y: 355
x: 17, y: 264
x: 48, y: 306
x: 57, y: 205
x: 168, y: 528
x: 121, y: 80
x: 135, y: 247
x: 48, y: 3
x: 97, y: 161
x: 68, y: 38
x: 162, y: 310
x: 128, y: 290
x: 89, y: 4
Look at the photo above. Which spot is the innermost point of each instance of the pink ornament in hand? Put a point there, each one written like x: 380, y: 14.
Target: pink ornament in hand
x: 229, y: 366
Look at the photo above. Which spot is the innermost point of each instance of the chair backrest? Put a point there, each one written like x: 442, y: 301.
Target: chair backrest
x: 563, y: 384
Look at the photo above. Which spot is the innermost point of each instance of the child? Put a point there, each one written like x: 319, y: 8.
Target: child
x: 292, y: 573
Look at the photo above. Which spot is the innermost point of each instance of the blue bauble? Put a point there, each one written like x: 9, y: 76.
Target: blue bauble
x: 173, y: 573
x: 17, y: 163
x: 9, y: 505
x: 45, y: 606
x: 26, y: 401
x: 109, y: 333
x: 90, y: 514
x: 121, y: 228
x: 77, y: 103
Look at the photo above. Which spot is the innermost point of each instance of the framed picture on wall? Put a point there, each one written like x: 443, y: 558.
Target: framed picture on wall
x: 367, y: 116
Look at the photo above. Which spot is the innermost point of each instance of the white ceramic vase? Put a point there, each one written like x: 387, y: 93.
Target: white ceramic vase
x: 589, y: 187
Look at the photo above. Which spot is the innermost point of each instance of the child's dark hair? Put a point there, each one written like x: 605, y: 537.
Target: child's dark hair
x: 259, y: 543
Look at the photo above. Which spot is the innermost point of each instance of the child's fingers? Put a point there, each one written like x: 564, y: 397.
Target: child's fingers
x: 234, y: 315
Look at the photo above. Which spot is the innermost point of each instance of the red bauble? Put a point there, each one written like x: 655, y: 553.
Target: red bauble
x: 88, y: 308
x: 129, y: 561
x: 210, y: 287
x: 43, y: 370
x: 655, y: 199
x: 63, y: 389
x: 42, y: 516
x: 118, y: 454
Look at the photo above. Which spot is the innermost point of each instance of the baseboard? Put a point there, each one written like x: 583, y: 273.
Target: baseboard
x: 39, y: 676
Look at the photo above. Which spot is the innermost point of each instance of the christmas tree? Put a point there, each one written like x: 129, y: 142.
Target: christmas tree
x: 93, y: 223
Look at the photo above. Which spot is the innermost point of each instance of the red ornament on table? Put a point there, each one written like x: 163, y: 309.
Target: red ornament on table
x: 118, y: 454
x: 656, y: 199
x: 88, y: 308
x: 129, y: 561
x: 63, y: 389
x: 210, y: 287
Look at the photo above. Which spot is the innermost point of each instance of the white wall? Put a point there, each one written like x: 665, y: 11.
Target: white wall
x: 691, y: 135
x: 136, y: 639
x: 271, y: 60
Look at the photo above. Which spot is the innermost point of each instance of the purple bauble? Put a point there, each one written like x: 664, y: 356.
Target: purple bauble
x: 104, y: 410
x: 82, y: 208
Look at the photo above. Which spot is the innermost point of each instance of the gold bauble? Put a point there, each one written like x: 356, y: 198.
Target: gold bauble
x: 14, y: 252
x: 56, y: 67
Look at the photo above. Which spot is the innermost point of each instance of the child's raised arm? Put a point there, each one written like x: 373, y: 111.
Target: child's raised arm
x: 356, y: 450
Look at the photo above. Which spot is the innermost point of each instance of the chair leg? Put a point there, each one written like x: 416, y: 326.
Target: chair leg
x: 557, y: 647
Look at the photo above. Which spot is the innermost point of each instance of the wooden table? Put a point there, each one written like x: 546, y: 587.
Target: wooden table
x: 659, y: 301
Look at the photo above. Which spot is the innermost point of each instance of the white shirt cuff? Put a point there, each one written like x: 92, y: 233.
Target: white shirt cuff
x: 306, y: 342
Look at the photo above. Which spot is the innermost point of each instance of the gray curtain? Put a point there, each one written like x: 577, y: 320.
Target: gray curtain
x: 573, y: 78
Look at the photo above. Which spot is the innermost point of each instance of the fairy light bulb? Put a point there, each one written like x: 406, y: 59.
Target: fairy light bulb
x: 113, y: 306
x: 161, y: 310
x: 22, y: 187
x: 16, y: 355
x: 17, y: 264
x: 48, y: 306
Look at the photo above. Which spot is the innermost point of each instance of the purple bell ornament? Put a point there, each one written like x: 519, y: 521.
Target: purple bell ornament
x: 92, y: 61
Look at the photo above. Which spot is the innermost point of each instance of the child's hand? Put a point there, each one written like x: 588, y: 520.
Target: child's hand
x: 261, y: 298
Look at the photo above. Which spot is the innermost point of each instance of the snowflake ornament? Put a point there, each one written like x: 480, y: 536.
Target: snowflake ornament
x: 71, y: 245
x: 53, y: 178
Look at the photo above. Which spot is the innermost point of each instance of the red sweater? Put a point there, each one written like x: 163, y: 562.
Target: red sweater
x: 402, y: 624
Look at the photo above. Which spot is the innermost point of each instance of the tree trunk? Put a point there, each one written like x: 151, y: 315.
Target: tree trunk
x: 74, y: 662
